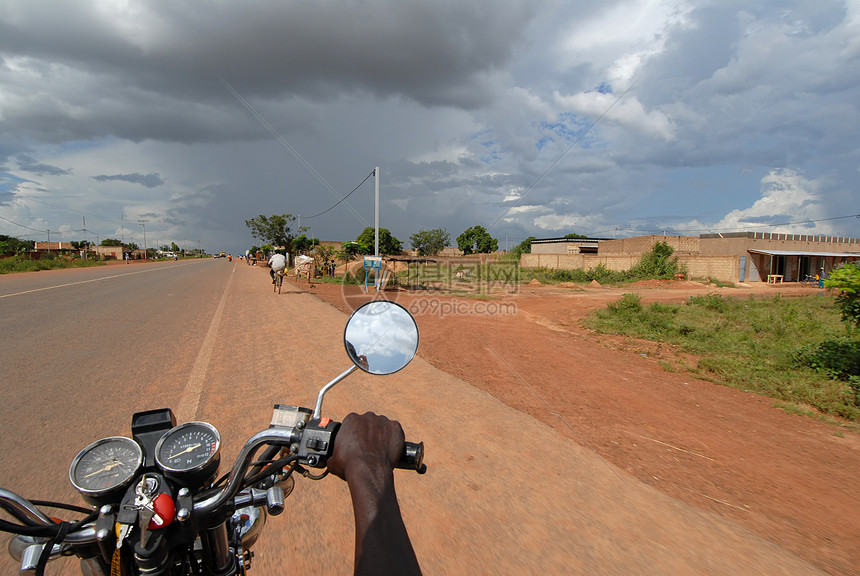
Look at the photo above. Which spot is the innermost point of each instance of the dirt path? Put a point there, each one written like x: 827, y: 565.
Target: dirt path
x: 789, y: 479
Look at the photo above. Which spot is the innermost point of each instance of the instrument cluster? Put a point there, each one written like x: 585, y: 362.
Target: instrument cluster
x: 188, y: 454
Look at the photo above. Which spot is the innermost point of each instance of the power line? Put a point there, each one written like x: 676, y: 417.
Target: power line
x: 68, y: 209
x: 21, y: 225
x: 372, y: 173
x: 286, y: 144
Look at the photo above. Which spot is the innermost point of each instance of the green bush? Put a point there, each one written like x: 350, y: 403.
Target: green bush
x: 839, y: 359
x: 357, y: 278
x: 47, y: 262
x: 713, y: 302
x: 658, y: 263
x: 627, y: 305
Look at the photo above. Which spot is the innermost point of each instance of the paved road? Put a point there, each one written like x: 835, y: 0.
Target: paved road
x: 505, y: 494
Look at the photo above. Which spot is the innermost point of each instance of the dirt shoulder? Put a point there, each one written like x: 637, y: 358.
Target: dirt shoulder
x: 787, y: 478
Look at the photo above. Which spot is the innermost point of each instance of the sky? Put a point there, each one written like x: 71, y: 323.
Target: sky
x: 609, y: 118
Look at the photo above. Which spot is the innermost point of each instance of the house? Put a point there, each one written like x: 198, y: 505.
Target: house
x: 734, y: 257
x: 53, y: 246
x: 108, y: 252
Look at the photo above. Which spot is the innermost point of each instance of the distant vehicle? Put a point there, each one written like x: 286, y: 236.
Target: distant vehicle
x: 221, y: 255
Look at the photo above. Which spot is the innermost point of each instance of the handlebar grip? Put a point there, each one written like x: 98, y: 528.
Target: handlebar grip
x: 412, y: 458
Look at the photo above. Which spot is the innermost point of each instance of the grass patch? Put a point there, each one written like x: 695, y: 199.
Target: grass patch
x: 751, y: 344
x: 16, y: 264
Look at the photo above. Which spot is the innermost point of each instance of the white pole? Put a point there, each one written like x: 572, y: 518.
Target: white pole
x: 376, y: 221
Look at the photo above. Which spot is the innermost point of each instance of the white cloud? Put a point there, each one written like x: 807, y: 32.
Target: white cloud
x: 619, y: 39
x: 786, y: 196
x: 627, y: 112
x: 569, y: 222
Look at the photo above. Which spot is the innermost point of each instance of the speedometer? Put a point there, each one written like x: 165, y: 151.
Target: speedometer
x: 189, y: 453
x: 105, y: 467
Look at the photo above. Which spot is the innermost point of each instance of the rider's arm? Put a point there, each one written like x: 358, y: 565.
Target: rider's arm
x: 366, y: 450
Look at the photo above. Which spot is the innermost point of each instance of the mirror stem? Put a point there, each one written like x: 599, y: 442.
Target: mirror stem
x: 344, y: 374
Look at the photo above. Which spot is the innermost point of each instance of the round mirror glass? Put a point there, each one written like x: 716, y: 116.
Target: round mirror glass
x: 381, y: 337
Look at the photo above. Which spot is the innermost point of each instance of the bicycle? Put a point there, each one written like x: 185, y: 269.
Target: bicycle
x: 279, y: 280
x: 810, y: 281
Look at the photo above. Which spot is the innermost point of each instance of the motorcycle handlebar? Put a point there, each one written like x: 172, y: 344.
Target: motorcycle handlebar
x: 209, y: 503
x: 413, y: 457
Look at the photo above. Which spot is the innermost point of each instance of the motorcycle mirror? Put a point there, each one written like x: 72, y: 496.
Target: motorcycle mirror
x: 381, y: 337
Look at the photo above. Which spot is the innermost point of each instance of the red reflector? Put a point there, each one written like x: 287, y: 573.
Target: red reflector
x: 324, y: 422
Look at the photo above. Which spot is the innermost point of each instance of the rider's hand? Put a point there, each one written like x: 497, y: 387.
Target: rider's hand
x: 366, y: 444
x: 366, y: 449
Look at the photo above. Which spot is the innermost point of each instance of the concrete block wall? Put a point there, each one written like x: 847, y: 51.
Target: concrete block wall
x: 642, y: 244
x: 722, y: 268
x: 579, y: 261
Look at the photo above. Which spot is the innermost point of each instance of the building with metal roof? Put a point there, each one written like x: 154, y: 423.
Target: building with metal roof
x: 735, y: 257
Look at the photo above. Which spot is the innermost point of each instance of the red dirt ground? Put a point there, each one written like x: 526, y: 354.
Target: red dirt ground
x: 788, y: 478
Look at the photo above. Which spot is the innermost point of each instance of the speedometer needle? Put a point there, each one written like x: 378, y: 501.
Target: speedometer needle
x: 105, y: 469
x: 189, y: 449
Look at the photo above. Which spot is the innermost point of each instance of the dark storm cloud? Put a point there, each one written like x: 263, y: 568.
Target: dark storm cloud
x: 153, y: 180
x: 28, y: 164
x: 156, y: 70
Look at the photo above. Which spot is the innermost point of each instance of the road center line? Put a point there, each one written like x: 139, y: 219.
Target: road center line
x: 190, y: 400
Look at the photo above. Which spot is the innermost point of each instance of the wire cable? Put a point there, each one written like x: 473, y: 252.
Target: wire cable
x: 21, y: 225
x: 372, y: 173
x: 287, y: 145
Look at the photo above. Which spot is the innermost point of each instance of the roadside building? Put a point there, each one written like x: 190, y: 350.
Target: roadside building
x: 734, y: 257
x: 40, y: 248
x: 108, y: 252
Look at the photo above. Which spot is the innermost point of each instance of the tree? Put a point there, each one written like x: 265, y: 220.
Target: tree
x: 575, y: 236
x: 524, y: 247
x: 13, y: 245
x: 430, y: 242
x: 111, y: 242
x: 349, y: 251
x: 273, y: 229
x: 304, y: 244
x: 388, y: 244
x: 846, y: 278
x: 476, y: 240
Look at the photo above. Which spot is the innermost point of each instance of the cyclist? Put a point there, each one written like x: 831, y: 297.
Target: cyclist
x: 277, y: 263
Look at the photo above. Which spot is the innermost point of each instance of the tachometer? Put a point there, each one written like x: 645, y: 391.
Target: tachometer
x: 189, y: 453
x: 104, y: 468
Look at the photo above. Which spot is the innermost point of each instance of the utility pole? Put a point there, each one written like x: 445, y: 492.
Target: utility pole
x: 143, y: 223
x: 49, y: 241
x: 376, y: 219
x: 85, y: 237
